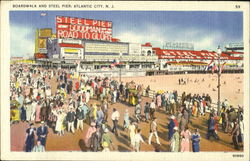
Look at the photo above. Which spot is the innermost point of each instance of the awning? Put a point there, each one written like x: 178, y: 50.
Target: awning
x: 70, y: 45
x: 189, y: 54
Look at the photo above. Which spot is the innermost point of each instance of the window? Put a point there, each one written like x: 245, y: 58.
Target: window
x: 149, y: 52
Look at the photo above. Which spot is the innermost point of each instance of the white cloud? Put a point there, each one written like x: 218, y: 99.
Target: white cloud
x: 22, y: 42
x: 158, y: 35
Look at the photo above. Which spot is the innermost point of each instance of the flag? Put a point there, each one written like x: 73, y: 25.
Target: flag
x: 222, y: 67
x: 210, y: 65
x: 214, y: 68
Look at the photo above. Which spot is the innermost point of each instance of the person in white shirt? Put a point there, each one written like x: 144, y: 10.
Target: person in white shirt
x: 152, y: 109
x: 138, y: 140
x: 132, y: 129
x: 115, y: 117
x: 153, y: 131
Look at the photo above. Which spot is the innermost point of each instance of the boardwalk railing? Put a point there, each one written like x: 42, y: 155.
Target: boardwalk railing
x: 152, y: 94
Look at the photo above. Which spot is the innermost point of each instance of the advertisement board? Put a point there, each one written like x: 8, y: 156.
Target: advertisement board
x: 106, y: 48
x: 71, y: 50
x: 41, y: 43
x: 46, y: 32
x: 80, y: 28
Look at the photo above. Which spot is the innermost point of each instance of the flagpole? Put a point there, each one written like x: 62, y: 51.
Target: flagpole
x: 219, y: 75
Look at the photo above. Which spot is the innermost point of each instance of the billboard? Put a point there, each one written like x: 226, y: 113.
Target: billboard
x: 45, y: 32
x: 114, y: 48
x: 41, y: 43
x: 81, y: 28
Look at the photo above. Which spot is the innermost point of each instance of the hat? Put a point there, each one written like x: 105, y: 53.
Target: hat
x: 106, y: 130
x: 42, y: 122
x: 176, y: 128
x: 31, y: 124
x: 92, y: 124
x: 172, y: 117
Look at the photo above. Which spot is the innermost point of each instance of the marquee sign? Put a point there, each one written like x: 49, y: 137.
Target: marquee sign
x: 80, y: 28
x: 106, y: 48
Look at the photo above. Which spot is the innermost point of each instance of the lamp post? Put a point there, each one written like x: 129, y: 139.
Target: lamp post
x: 219, y: 74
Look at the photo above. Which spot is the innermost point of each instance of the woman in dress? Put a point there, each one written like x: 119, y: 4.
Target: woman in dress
x: 126, y: 120
x: 59, y: 122
x: 186, y: 135
x: 158, y: 100
x: 38, y: 111
x: 175, y: 141
x: 132, y: 129
x: 90, y: 131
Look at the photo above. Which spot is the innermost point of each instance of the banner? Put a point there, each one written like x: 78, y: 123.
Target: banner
x: 106, y: 48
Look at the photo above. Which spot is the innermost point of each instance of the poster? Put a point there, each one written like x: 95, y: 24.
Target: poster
x: 205, y: 24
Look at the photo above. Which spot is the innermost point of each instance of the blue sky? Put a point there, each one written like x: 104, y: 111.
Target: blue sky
x: 205, y: 29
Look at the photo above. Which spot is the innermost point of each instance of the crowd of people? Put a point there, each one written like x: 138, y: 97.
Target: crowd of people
x: 68, y: 108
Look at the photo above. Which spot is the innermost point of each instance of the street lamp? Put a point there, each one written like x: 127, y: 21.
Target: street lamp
x: 219, y: 74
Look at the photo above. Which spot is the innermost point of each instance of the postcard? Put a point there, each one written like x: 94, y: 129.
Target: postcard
x: 122, y: 80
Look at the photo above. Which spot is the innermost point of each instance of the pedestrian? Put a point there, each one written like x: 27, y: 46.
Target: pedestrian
x: 175, y: 141
x: 152, y: 109
x: 153, y: 131
x: 171, y: 126
x: 70, y: 119
x: 79, y: 117
x: 196, y: 141
x: 158, y: 100
x: 126, y: 119
x: 105, y: 108
x: 225, y: 121
x: 106, y: 141
x: 38, y: 147
x: 38, y: 112
x: 42, y: 133
x: 138, y: 112
x: 185, y: 135
x: 59, y: 128
x: 23, y: 114
x: 90, y: 131
x: 147, y: 111
x: 85, y: 109
x: 211, y: 129
x: 115, y: 117
x: 172, y: 106
x: 30, y: 138
x: 138, y: 140
x: 96, y: 139
x: 132, y: 129
x: 235, y: 133
x: 183, y: 123
x: 99, y: 116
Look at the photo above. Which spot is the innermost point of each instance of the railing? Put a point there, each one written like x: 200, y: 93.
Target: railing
x: 110, y: 58
x: 152, y: 94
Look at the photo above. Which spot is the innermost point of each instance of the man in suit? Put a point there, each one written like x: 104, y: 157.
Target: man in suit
x: 70, y: 119
x: 30, y: 138
x: 42, y: 133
